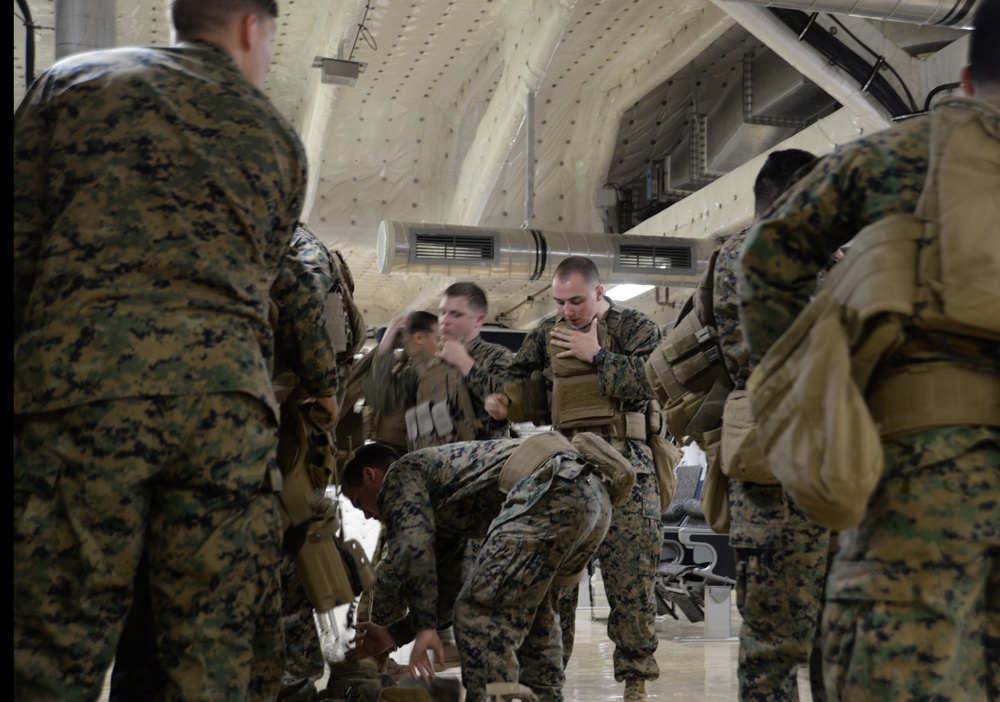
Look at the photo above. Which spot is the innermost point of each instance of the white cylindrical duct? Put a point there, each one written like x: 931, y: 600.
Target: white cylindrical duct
x: 531, y: 254
x: 948, y: 13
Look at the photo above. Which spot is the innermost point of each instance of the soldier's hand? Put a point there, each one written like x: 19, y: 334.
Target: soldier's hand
x: 328, y: 414
x: 421, y: 667
x: 582, y: 345
x: 370, y: 640
x: 496, y: 405
x: 455, y: 354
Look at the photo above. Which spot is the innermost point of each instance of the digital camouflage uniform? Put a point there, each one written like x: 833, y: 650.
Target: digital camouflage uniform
x: 433, y: 500
x: 155, y: 193
x: 913, y: 593
x: 630, y: 553
x: 391, y: 387
x: 780, y: 554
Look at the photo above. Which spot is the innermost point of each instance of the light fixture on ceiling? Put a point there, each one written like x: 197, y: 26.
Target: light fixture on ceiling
x: 626, y: 291
x: 339, y: 71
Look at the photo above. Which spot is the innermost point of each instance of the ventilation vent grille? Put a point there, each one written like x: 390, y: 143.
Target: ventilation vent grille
x: 428, y: 247
x: 643, y: 257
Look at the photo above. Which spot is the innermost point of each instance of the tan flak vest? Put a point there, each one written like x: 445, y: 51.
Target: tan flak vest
x: 822, y: 402
x: 443, y: 412
x: 577, y: 402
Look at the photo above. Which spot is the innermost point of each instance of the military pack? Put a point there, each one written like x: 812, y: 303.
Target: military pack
x: 823, y: 400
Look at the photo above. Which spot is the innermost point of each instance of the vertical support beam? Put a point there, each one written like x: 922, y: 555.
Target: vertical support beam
x: 529, y: 195
x: 84, y: 25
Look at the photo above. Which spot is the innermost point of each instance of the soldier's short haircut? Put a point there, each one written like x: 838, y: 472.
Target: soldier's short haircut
x: 580, y: 265
x: 420, y: 321
x: 192, y: 18
x: 376, y: 455
x: 471, y: 292
x: 776, y: 176
x: 984, y: 49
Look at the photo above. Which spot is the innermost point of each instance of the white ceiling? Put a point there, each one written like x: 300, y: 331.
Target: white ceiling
x: 435, y: 128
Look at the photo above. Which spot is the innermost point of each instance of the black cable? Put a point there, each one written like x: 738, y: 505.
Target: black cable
x: 909, y: 96
x: 29, y: 43
x: 369, y: 39
x: 842, y: 56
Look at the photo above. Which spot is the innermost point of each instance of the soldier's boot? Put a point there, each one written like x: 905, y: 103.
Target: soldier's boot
x: 635, y: 690
x: 509, y: 692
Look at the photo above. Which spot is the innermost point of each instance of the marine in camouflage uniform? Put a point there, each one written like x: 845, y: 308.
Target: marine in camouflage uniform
x: 630, y: 553
x: 391, y: 387
x: 142, y: 363
x: 434, y: 500
x: 780, y: 554
x: 913, y: 592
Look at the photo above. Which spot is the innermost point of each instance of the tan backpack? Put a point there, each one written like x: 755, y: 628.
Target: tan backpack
x: 822, y: 406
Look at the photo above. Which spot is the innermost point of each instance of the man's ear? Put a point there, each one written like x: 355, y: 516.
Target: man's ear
x: 249, y: 36
x: 599, y: 291
x: 480, y: 318
x: 966, y: 80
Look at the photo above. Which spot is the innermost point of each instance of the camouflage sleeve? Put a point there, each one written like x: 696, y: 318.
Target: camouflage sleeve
x: 623, y: 375
x: 409, y: 562
x: 532, y: 355
x: 32, y: 137
x: 489, y: 370
x: 725, y: 308
x: 854, y: 186
x: 389, y: 388
x: 302, y: 335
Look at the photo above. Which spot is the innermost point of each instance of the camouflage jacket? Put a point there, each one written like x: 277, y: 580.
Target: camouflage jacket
x: 857, y: 184
x: 155, y: 192
x: 725, y: 308
x: 623, y: 375
x: 432, y: 501
x: 302, y: 338
x: 391, y: 387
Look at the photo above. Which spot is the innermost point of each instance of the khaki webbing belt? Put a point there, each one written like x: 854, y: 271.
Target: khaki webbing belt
x: 925, y: 396
x: 630, y: 425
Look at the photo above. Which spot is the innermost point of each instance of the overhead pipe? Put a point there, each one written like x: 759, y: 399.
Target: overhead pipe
x: 946, y: 13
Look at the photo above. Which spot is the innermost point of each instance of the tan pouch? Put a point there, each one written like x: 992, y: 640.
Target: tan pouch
x: 321, y: 568
x: 666, y: 456
x: 741, y: 455
x: 812, y: 421
x: 715, y: 489
x: 678, y: 413
x: 619, y: 475
x: 530, y: 455
x: 528, y: 400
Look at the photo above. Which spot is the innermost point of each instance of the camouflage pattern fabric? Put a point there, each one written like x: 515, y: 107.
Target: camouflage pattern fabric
x: 780, y: 574
x: 550, y: 524
x: 156, y: 191
x: 631, y: 549
x: 149, y: 220
x: 392, y: 388
x: 918, y: 577
x: 305, y: 279
x: 780, y: 555
x: 182, y: 473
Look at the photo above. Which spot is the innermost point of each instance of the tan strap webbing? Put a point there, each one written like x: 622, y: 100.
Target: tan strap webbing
x: 567, y: 580
x: 630, y: 425
x: 530, y: 455
x: 925, y: 396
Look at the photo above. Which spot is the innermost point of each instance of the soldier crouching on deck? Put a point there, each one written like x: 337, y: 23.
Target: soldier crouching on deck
x: 543, y: 506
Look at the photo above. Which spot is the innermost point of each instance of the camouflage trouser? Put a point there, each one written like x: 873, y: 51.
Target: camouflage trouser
x: 629, y: 558
x: 506, y: 625
x: 913, y: 598
x: 303, y: 655
x: 780, y: 572
x: 182, y: 474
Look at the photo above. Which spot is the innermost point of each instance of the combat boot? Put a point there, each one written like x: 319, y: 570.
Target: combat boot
x: 635, y: 690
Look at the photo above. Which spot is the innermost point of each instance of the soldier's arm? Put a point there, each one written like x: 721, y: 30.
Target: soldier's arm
x: 388, y: 388
x: 302, y: 333
x: 623, y: 374
x: 410, y: 559
x: 489, y: 372
x: 531, y: 356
